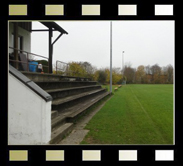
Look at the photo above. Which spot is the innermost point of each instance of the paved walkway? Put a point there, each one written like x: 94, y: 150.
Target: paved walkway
x: 78, y: 133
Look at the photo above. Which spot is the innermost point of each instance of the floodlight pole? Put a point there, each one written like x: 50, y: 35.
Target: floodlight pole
x: 111, y: 57
x: 123, y: 62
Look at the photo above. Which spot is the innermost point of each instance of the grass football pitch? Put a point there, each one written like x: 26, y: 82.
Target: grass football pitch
x: 136, y: 114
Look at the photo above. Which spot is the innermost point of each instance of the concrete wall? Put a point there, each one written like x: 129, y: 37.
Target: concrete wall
x: 26, y: 38
x: 29, y: 115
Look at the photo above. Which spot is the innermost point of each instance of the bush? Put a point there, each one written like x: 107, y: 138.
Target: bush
x: 102, y: 76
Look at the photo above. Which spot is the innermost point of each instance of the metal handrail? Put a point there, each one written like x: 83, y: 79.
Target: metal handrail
x: 27, y: 54
x: 68, y: 72
x: 58, y: 67
x: 68, y: 65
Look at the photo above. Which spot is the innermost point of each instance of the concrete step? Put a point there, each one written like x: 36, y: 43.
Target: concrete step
x: 54, y: 114
x: 72, y: 112
x: 60, y: 104
x: 81, y: 108
x: 35, y: 76
x: 47, y: 85
x: 57, y: 121
x: 60, y: 132
x: 63, y: 123
x: 74, y: 78
x: 61, y: 93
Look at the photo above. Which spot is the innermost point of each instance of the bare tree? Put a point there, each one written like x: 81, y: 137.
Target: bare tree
x: 156, y: 69
x: 156, y: 73
x: 148, y: 69
x: 87, y: 67
x: 129, y: 72
x: 170, y: 73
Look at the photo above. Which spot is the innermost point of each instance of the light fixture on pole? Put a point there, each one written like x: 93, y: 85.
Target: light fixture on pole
x: 123, y: 62
x: 123, y: 68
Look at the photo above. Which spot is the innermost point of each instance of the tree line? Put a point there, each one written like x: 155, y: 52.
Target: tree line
x: 149, y: 74
x: 141, y: 75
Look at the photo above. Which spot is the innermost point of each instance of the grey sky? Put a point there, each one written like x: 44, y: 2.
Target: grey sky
x: 144, y: 42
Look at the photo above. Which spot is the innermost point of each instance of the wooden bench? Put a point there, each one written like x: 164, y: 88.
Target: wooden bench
x: 119, y: 86
x: 115, y: 88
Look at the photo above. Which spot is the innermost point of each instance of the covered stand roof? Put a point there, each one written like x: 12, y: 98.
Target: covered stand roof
x: 54, y: 26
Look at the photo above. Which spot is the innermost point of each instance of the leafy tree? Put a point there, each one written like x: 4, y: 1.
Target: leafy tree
x: 88, y: 69
x: 140, y: 74
x: 107, y: 71
x: 102, y: 76
x: 75, y: 69
x: 116, y: 76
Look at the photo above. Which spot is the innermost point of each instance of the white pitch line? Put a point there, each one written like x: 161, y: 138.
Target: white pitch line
x: 157, y: 131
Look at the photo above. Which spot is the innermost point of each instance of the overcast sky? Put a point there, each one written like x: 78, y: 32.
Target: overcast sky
x: 144, y: 42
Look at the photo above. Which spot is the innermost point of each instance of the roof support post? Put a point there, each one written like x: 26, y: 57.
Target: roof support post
x: 16, y: 44
x: 57, y: 38
x: 50, y: 50
x: 52, y: 26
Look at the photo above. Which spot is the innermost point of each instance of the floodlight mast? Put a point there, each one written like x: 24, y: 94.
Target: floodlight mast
x: 111, y: 57
x: 123, y: 62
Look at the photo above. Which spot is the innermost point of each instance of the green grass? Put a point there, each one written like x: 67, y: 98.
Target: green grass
x: 136, y: 114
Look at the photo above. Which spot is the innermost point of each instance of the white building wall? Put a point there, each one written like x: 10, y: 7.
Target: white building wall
x: 26, y: 38
x: 29, y: 116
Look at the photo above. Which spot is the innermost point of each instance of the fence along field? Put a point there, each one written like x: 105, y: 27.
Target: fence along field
x: 136, y: 114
